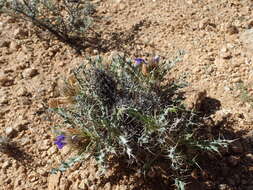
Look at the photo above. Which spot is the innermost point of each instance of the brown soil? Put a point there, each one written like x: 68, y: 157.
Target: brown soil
x: 216, y: 37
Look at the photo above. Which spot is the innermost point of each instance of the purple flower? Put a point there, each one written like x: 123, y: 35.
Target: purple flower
x: 60, y: 141
x: 138, y: 61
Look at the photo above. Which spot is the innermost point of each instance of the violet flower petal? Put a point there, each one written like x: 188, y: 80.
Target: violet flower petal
x: 139, y: 61
x: 60, y: 141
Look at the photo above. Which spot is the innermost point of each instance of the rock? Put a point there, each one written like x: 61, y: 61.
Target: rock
x: 54, y: 181
x: 5, y: 80
x: 14, y: 46
x: 95, y: 52
x: 30, y: 72
x: 22, y: 91
x: 8, y: 70
x: 21, y: 125
x: 232, y: 30
x: 10, y: 132
x: 203, y: 23
x: 21, y: 66
x: 225, y: 54
x: 4, y: 99
x: 8, y: 181
x: 194, y: 99
x: 233, y: 160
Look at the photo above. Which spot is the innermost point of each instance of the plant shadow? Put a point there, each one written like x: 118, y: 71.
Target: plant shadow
x: 215, y: 170
x: 209, y: 106
x: 19, y: 155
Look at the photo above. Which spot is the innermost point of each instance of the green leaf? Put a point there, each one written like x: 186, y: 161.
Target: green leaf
x: 180, y: 184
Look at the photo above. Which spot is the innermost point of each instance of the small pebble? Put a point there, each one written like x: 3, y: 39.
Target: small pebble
x: 10, y: 132
x: 30, y: 72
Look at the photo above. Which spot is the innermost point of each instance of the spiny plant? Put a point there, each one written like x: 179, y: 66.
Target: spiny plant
x: 117, y: 110
x: 68, y: 20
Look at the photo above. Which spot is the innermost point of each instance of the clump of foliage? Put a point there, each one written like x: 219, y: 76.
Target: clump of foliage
x: 68, y: 20
x: 117, y: 110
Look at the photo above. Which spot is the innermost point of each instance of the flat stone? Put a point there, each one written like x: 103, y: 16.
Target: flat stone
x: 30, y: 72
x: 10, y: 132
x: 22, y: 91
x: 226, y: 55
x: 4, y: 99
x: 21, y: 125
x: 14, y: 46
